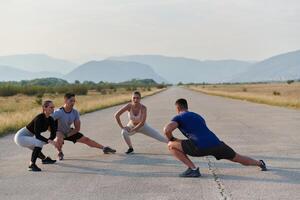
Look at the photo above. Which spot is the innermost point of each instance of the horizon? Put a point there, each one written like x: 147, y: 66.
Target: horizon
x: 170, y: 56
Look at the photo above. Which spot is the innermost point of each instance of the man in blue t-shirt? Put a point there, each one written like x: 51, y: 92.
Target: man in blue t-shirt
x: 201, y: 141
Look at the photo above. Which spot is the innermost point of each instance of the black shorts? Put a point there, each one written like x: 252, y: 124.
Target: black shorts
x: 223, y: 151
x: 74, y: 137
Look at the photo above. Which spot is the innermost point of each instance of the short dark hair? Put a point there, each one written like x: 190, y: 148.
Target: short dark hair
x: 46, y: 103
x: 69, y: 95
x: 182, y: 103
x: 137, y: 93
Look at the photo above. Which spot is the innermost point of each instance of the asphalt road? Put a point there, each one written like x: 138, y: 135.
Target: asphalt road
x: 260, y: 131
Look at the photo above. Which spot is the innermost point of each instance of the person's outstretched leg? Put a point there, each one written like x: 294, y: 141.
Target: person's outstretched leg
x: 247, y: 161
x: 151, y: 132
x: 93, y: 144
x: 90, y: 143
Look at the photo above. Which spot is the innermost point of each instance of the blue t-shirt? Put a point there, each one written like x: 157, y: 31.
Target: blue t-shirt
x: 193, y: 126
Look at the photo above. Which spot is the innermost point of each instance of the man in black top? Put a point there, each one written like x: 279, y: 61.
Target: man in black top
x: 30, y: 136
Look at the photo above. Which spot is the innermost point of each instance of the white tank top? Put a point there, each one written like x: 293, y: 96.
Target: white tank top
x: 135, y: 118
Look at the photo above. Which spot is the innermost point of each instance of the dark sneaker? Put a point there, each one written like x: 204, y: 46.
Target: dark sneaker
x: 60, y: 156
x: 48, y: 160
x: 263, y: 165
x: 191, y: 173
x: 34, y: 168
x: 107, y: 150
x: 129, y: 151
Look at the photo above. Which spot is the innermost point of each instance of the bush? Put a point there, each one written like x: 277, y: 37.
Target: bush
x: 244, y: 89
x: 290, y: 81
x: 276, y: 93
x: 78, y: 89
x: 33, y: 90
x: 128, y: 88
x: 160, y: 86
x: 8, y: 90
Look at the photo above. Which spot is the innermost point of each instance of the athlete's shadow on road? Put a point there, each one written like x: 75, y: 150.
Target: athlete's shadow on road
x: 134, y: 159
x: 122, y: 161
x: 290, y: 175
x: 286, y: 176
x: 110, y: 172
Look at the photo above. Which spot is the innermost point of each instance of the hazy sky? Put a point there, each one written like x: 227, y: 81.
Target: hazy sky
x: 80, y: 30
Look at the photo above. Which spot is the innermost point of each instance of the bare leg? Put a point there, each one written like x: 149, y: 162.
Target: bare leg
x: 244, y: 160
x: 89, y: 142
x: 176, y: 149
x: 60, y: 141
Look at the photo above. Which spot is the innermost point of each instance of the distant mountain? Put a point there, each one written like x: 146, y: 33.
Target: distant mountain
x: 37, y: 63
x: 278, y: 68
x: 159, y: 68
x: 112, y: 71
x: 8, y: 73
x: 178, y: 69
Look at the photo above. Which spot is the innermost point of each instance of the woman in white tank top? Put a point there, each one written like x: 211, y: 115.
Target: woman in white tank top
x: 137, y: 114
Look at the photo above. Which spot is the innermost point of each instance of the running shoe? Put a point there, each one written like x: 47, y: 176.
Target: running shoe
x: 60, y: 155
x: 108, y: 150
x: 263, y: 165
x: 48, y: 160
x: 191, y: 173
x: 129, y: 151
x: 34, y: 168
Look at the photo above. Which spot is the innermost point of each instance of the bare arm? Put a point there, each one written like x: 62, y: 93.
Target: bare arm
x: 76, y: 129
x: 119, y: 113
x: 144, y: 117
x: 169, y: 128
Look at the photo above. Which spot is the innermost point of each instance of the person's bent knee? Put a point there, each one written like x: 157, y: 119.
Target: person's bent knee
x: 59, y: 135
x: 17, y: 139
x: 59, y: 140
x: 171, y: 145
x: 124, y: 133
x: 175, y: 145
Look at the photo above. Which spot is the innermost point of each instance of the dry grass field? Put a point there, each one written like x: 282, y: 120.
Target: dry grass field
x: 277, y: 94
x: 16, y: 111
